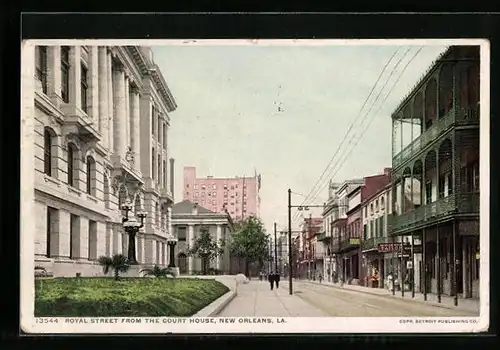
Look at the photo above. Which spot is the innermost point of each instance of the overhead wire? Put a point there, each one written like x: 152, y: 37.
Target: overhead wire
x: 369, y: 118
x: 352, y: 124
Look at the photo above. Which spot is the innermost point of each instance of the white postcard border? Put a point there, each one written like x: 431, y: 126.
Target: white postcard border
x: 30, y: 324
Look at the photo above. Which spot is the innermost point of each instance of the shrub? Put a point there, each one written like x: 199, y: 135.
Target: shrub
x: 127, y: 297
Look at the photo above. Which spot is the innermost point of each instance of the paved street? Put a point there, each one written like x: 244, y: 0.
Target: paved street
x: 310, y: 300
x: 256, y: 299
x: 344, y: 303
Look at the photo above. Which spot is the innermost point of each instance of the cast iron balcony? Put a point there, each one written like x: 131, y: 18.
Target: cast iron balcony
x: 459, y: 116
x: 372, y: 243
x: 457, y: 204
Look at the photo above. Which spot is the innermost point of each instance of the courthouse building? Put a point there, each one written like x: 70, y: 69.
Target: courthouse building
x: 101, y: 121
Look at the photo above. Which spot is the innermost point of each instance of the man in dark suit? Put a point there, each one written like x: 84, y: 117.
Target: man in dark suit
x: 271, y: 279
x: 277, y: 280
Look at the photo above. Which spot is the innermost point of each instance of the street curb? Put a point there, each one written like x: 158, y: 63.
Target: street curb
x: 443, y: 306
x: 214, y: 308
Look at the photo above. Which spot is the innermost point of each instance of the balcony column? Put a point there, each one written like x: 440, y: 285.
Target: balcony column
x: 402, y: 269
x: 424, y: 262
x: 135, y: 127
x: 119, y: 118
x: 103, y: 95
x: 438, y: 269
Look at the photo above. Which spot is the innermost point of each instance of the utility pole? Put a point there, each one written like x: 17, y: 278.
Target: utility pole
x: 310, y: 246
x: 290, y: 266
x: 275, y: 251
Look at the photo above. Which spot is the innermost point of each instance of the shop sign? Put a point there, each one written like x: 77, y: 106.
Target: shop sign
x: 354, y: 241
x: 396, y: 247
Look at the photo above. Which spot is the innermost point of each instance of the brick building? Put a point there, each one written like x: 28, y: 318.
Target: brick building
x: 239, y: 195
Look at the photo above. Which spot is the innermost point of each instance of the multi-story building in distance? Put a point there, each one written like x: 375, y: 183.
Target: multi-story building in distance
x: 436, y: 174
x: 101, y: 122
x: 239, y: 195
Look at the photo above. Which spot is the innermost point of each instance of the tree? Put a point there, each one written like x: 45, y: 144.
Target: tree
x: 157, y: 271
x: 118, y: 263
x: 249, y: 242
x: 206, y: 248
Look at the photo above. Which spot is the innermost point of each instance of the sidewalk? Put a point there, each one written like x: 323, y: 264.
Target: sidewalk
x: 469, y: 305
x: 256, y: 299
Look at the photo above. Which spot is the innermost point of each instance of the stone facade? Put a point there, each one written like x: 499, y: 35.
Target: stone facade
x: 188, y: 221
x: 101, y: 117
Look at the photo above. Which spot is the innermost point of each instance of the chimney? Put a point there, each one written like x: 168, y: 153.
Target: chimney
x: 172, y: 176
x: 195, y: 209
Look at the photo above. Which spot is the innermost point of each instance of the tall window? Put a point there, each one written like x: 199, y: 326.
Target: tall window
x: 84, y: 87
x: 159, y: 168
x: 164, y: 174
x: 153, y: 115
x: 41, y: 66
x: 165, y: 135
x: 65, y: 73
x: 47, y: 151
x: 51, y: 217
x: 90, y: 175
x: 153, y: 162
x: 428, y: 192
x: 92, y: 240
x: 71, y: 163
x: 72, y: 231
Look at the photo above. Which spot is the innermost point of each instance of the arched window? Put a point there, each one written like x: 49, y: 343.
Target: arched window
x: 91, y: 174
x: 72, y: 165
x: 47, y: 151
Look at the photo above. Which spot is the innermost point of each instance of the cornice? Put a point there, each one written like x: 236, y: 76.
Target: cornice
x: 130, y: 65
x: 150, y: 68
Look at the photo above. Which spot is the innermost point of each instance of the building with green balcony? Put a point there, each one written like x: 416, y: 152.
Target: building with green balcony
x: 435, y: 183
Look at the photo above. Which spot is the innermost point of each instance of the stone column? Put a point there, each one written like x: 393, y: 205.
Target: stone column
x: 75, y: 96
x: 103, y: 96
x: 117, y: 239
x: 190, y: 241
x: 93, y: 98
x: 127, y: 113
x: 169, y: 221
x: 119, y: 112
x: 59, y: 235
x: 54, y: 74
x: 111, y: 128
x: 218, y: 237
x: 135, y: 128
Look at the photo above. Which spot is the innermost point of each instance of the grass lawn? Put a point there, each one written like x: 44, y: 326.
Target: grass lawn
x: 142, y: 297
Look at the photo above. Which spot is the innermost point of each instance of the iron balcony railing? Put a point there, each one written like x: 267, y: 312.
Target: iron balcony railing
x: 455, y: 204
x: 459, y: 116
x: 322, y: 236
x: 372, y: 243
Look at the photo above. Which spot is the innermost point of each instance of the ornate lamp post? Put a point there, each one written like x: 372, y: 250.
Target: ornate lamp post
x: 171, y: 241
x: 131, y: 227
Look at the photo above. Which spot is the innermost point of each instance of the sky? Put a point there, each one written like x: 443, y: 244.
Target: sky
x: 284, y: 111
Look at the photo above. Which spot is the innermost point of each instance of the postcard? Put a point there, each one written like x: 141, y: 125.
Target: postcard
x: 255, y: 186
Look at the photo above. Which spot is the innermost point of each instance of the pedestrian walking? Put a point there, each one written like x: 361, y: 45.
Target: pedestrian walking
x: 277, y: 280
x: 320, y: 278
x: 270, y: 278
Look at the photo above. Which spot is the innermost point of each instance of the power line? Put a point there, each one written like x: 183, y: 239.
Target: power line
x: 352, y: 124
x: 380, y: 107
x: 366, y: 116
